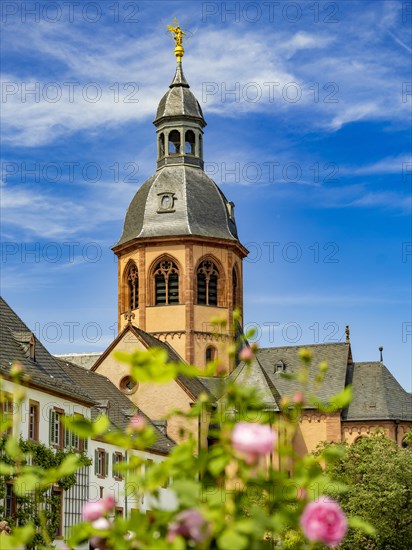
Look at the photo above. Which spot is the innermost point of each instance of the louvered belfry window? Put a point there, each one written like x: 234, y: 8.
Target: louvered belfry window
x: 166, y: 283
x: 133, y: 282
x: 207, y: 278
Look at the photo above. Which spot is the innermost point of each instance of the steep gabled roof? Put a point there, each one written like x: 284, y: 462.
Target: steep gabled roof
x: 119, y: 408
x: 254, y: 375
x: 44, y: 370
x: 377, y: 395
x: 192, y: 386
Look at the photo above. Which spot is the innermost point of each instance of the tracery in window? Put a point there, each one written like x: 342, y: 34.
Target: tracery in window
x: 166, y: 276
x: 207, y: 279
x: 133, y: 285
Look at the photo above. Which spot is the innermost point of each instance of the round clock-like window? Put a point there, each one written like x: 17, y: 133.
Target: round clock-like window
x: 128, y: 385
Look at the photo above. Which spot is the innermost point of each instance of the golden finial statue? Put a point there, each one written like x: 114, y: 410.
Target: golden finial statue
x: 178, y: 37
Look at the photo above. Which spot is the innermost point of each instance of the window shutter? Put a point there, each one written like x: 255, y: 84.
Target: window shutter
x: 106, y: 464
x: 52, y: 416
x: 96, y: 462
x: 67, y: 434
x: 86, y: 444
x: 114, y: 457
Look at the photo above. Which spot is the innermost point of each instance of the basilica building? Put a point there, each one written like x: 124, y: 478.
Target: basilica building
x: 180, y: 265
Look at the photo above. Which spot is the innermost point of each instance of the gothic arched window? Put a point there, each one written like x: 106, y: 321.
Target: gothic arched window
x: 174, y: 142
x: 210, y: 354
x: 133, y: 286
x: 166, y: 275
x: 190, y: 142
x: 207, y: 278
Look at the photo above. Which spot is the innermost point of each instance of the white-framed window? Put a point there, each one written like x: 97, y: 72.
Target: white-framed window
x: 117, y: 458
x: 56, y: 428
x: 101, y: 463
x: 33, y: 432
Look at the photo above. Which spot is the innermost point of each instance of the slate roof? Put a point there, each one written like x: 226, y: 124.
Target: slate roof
x: 376, y: 394
x: 179, y: 101
x: 200, y: 208
x: 120, y: 409
x: 336, y: 356
x: 45, y: 371
x: 261, y: 373
x: 85, y: 360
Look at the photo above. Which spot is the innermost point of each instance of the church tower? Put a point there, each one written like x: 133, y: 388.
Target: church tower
x: 179, y: 256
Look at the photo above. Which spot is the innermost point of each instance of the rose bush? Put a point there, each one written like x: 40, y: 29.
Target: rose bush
x: 246, y: 489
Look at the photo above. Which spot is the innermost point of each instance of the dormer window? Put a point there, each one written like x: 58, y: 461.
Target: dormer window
x: 190, y: 142
x: 174, y: 142
x: 166, y: 202
x: 279, y: 367
x: 32, y: 348
x: 231, y: 210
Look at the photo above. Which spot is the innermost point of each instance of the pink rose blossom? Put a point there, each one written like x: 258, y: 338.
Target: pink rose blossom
x: 299, y: 398
x: 252, y: 440
x: 93, y: 510
x: 137, y: 423
x: 220, y: 369
x: 324, y: 521
x: 191, y: 525
x: 109, y: 503
x: 246, y: 354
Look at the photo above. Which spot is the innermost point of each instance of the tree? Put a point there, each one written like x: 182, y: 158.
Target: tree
x: 378, y: 474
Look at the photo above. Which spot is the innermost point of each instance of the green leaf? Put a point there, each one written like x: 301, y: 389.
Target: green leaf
x: 338, y: 402
x: 79, y: 425
x: 6, y: 469
x: 25, y: 483
x: 358, y: 523
x: 343, y: 399
x: 233, y: 540
x: 13, y: 448
x: 20, y: 537
x: 217, y: 465
x: 101, y: 425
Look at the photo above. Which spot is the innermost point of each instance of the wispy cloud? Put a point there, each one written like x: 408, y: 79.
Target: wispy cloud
x: 50, y: 215
x: 363, y: 68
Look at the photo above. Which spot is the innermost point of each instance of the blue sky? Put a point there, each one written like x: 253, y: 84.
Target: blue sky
x: 308, y: 106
